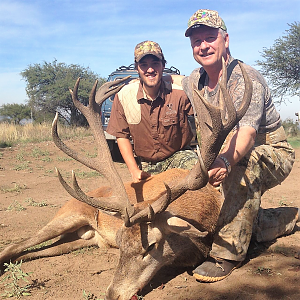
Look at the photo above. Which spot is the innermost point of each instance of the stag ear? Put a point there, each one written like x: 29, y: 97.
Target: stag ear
x: 183, y: 227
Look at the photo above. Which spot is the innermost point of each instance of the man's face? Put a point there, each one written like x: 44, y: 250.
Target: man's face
x: 209, y: 46
x: 150, y: 70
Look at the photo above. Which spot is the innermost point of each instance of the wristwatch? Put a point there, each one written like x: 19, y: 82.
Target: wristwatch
x: 226, y: 162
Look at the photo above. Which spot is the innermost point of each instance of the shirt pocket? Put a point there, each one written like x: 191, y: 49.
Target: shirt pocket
x: 171, y: 129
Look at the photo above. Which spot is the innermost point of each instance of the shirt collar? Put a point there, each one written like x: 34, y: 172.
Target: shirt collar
x: 165, y: 88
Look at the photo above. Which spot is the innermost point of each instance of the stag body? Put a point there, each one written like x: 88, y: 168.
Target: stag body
x: 142, y: 219
x: 174, y: 237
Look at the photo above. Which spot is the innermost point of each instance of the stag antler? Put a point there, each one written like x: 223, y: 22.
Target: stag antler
x: 118, y: 202
x: 214, y: 130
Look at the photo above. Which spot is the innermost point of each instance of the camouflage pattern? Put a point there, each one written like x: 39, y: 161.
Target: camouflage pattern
x: 265, y: 166
x: 182, y: 159
x: 274, y: 222
x: 241, y: 216
x: 147, y: 47
x: 206, y: 17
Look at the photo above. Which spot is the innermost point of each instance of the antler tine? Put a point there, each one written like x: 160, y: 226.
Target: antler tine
x: 74, y: 94
x: 77, y: 193
x: 108, y: 89
x: 65, y: 185
x: 247, y: 94
x: 223, y: 82
x: 148, y: 214
x: 92, y: 103
x: 63, y: 147
x: 104, y: 203
x: 227, y: 102
x: 234, y: 115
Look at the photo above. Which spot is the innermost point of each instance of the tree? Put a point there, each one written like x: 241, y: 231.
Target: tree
x: 290, y: 127
x: 15, y: 112
x: 48, y: 89
x: 281, y: 64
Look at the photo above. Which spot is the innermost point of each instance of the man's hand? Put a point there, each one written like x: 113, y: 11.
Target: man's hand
x: 236, y: 148
x: 127, y: 154
x: 217, y: 173
x: 139, y: 175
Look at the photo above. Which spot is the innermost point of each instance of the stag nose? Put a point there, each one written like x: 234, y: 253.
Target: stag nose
x: 112, y: 294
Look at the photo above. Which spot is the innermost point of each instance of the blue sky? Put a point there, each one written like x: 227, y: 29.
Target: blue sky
x: 102, y: 35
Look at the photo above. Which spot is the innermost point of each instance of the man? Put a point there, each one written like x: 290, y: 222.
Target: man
x: 154, y: 114
x: 255, y: 157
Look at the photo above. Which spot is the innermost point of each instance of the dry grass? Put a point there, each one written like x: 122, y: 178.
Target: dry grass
x: 11, y: 134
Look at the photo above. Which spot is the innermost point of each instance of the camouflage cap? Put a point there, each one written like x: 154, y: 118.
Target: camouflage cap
x: 206, y: 17
x: 147, y: 47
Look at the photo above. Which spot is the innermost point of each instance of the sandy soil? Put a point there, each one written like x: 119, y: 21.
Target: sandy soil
x: 27, y: 179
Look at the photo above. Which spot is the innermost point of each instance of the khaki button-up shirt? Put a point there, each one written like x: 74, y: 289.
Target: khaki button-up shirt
x: 163, y: 127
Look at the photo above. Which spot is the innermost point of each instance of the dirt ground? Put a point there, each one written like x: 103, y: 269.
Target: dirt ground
x: 31, y: 195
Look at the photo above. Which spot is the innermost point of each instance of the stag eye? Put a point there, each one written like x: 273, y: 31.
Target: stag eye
x: 149, y: 249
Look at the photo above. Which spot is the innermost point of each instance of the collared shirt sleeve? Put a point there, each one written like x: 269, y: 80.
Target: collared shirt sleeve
x: 117, y: 125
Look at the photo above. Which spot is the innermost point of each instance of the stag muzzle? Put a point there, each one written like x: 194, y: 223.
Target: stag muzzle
x: 114, y: 294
